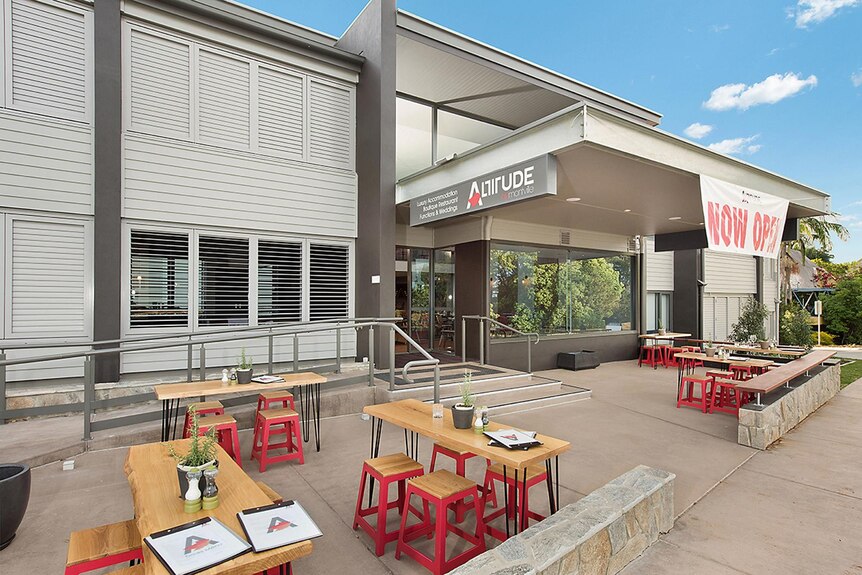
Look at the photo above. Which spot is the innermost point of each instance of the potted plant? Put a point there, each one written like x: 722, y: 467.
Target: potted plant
x: 201, y: 454
x: 661, y: 330
x: 462, y: 412
x: 244, y: 369
x: 709, y: 349
x: 14, y: 497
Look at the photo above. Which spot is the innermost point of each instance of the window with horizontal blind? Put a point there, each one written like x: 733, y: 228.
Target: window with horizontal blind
x: 159, y: 281
x: 329, y: 281
x: 223, y: 277
x: 279, y: 281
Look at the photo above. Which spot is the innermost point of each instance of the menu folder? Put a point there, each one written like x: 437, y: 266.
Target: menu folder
x: 196, y: 546
x: 513, y: 438
x: 277, y: 525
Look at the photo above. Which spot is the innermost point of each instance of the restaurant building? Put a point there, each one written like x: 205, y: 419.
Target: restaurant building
x: 174, y: 166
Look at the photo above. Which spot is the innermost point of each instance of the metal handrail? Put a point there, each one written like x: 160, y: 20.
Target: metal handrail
x: 482, y: 319
x: 296, y: 330
x: 187, y: 334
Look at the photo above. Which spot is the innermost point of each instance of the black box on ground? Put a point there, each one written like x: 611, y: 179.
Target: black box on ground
x: 574, y: 360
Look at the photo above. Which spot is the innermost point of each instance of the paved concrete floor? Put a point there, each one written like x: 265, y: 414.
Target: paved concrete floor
x: 795, y: 508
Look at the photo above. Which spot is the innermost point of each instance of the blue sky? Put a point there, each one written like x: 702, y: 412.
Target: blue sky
x: 778, y: 82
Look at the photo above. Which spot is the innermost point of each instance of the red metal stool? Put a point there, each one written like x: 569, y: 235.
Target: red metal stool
x: 535, y: 475
x: 281, y: 398
x: 202, y: 408
x: 670, y: 356
x: 726, y: 397
x: 719, y: 374
x: 98, y: 547
x: 228, y: 434
x: 460, y: 458
x: 688, y: 398
x: 650, y: 355
x: 663, y: 353
x: 741, y: 372
x: 388, y: 469
x: 271, y: 422
x: 440, y: 489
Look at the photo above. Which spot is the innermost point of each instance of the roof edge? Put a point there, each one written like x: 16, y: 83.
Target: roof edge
x: 576, y: 88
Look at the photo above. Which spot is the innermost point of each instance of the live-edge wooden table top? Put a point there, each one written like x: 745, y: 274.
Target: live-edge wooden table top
x: 185, y: 390
x: 152, y: 476
x: 416, y: 416
x: 728, y: 361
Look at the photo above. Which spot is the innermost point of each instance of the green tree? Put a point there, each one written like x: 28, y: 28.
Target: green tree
x: 596, y: 293
x: 793, y: 327
x: 750, y: 321
x: 843, y: 310
x: 814, y: 232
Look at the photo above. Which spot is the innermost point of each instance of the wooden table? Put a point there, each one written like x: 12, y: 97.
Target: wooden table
x: 668, y: 335
x: 416, y: 417
x: 715, y: 360
x: 760, y: 350
x: 152, y: 476
x: 170, y: 395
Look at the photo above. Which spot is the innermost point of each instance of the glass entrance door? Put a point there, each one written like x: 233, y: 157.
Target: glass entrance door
x: 428, y: 308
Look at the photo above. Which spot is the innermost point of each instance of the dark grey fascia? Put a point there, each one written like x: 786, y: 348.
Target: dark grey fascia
x: 421, y: 30
x: 263, y: 26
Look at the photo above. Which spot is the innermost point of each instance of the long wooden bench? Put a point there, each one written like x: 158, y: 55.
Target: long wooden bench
x: 776, y: 377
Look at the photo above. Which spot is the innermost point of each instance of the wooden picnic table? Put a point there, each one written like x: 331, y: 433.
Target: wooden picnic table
x: 152, y: 476
x: 416, y: 418
x: 170, y: 394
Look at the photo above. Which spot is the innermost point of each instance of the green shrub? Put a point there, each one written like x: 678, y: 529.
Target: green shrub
x: 750, y: 322
x: 793, y: 328
x: 825, y: 338
x: 843, y: 310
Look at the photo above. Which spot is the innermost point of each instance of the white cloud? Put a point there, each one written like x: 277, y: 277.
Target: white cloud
x: 697, y: 131
x: 773, y: 52
x: 856, y: 78
x: 771, y: 90
x: 718, y: 28
x: 736, y: 145
x: 816, y: 11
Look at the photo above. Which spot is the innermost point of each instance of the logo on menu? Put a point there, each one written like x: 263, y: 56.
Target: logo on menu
x: 277, y: 524
x: 195, y: 543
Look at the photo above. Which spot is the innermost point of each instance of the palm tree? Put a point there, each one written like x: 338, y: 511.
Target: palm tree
x: 813, y: 231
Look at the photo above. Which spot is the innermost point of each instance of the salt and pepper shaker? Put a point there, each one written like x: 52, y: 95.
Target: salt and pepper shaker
x: 192, y: 497
x: 224, y: 376
x: 210, y: 495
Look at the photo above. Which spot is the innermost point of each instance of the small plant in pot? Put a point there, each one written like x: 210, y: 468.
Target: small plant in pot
x: 462, y: 412
x: 661, y: 330
x: 244, y: 369
x: 709, y: 349
x: 201, y: 454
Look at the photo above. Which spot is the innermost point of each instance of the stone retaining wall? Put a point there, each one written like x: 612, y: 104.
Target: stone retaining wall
x: 600, y: 534
x: 759, y: 428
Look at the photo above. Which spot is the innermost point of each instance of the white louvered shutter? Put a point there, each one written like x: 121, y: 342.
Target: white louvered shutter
x: 330, y: 130
x: 159, y: 282
x: 49, y: 59
x: 223, y: 99
x: 279, y: 282
x: 280, y: 112
x: 49, y: 279
x: 223, y: 265
x: 329, y: 281
x: 160, y: 81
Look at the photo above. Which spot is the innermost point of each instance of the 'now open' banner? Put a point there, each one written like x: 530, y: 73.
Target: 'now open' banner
x: 740, y: 220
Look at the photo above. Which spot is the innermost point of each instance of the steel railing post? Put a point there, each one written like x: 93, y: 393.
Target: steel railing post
x: 391, y: 359
x: 203, y: 363
x: 337, y: 348
x: 481, y: 341
x: 436, y: 383
x: 370, y: 356
x: 463, y: 339
x: 89, y: 396
x: 295, y: 353
x: 270, y: 338
x: 2, y: 388
x: 189, y: 359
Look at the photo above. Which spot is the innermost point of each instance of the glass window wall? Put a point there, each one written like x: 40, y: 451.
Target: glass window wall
x: 457, y: 134
x: 549, y: 290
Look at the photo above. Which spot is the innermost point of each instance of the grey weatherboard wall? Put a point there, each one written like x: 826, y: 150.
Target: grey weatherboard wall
x: 372, y: 35
x: 107, y: 225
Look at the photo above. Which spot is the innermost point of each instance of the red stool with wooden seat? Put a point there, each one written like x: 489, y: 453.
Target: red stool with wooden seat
x: 202, y: 408
x: 687, y: 396
x: 386, y: 470
x: 725, y: 397
x: 719, y: 374
x: 663, y: 354
x: 741, y: 372
x: 271, y: 422
x: 650, y: 355
x: 228, y: 434
x: 113, y: 544
x: 670, y: 359
x: 282, y: 398
x: 440, y: 489
x: 460, y: 458
x: 519, y: 502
